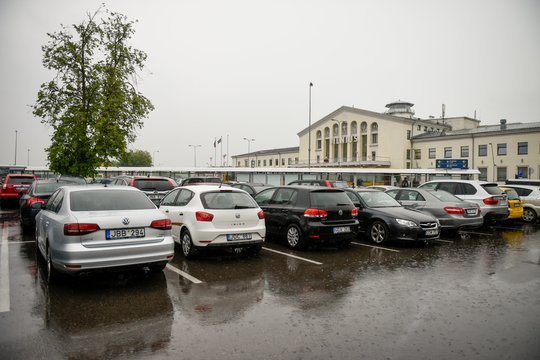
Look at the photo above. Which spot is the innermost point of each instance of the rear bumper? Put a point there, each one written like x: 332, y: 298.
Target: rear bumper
x: 463, y: 223
x: 218, y: 238
x: 324, y: 233
x: 75, y: 258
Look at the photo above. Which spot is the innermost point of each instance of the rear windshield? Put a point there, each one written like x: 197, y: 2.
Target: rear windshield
x: 227, y: 200
x: 47, y: 188
x: 153, y: 184
x: 493, y: 189
x: 323, y: 199
x: 20, y: 180
x: 102, y: 200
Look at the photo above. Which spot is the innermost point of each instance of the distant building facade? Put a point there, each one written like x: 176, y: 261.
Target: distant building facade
x: 356, y: 138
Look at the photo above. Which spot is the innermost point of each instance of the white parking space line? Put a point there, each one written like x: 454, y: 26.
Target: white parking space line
x: 4, y: 272
x: 446, y: 241
x: 375, y: 247
x: 293, y: 256
x: 184, y: 274
x: 478, y: 233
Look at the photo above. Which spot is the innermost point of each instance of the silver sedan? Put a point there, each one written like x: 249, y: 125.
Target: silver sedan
x: 85, y: 228
x: 452, y: 212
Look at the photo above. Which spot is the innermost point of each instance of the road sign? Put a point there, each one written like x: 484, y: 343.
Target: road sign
x: 452, y: 164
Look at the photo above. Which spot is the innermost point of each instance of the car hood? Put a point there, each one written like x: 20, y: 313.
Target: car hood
x: 403, y: 213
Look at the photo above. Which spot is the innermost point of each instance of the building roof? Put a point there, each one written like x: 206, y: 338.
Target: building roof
x: 483, y: 131
x: 293, y: 149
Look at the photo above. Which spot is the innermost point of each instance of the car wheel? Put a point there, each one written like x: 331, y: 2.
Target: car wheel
x: 378, y: 232
x: 52, y: 273
x: 294, y: 237
x: 187, y: 245
x: 529, y: 215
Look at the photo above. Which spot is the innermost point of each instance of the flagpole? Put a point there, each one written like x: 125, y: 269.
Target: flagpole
x: 309, y: 127
x: 215, y: 151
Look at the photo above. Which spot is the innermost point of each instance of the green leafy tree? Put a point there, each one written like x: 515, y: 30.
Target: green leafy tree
x: 92, y: 104
x: 136, y: 158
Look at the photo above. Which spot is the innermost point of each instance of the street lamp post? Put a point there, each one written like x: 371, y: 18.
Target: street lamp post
x: 154, y: 157
x: 195, y: 154
x: 309, y: 128
x: 249, y: 143
x: 28, y: 157
x: 16, y: 131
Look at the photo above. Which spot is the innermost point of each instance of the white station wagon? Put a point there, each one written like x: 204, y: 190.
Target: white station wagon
x: 214, y: 216
x: 84, y: 228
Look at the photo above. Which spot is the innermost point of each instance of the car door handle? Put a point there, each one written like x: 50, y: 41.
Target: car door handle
x: 181, y: 214
x: 167, y: 211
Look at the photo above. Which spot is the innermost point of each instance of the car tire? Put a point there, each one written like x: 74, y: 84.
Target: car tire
x: 188, y: 249
x: 529, y: 215
x: 293, y: 235
x: 378, y: 232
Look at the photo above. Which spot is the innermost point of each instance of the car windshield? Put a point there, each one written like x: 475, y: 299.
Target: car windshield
x: 227, y: 200
x: 378, y: 199
x: 444, y: 196
x: 47, y: 187
x: 512, y: 194
x: 323, y: 199
x: 103, y: 200
x: 153, y: 184
x: 20, y: 180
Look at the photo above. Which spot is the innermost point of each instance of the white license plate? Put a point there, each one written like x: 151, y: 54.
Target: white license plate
x: 124, y: 233
x: 155, y: 197
x: 235, y: 237
x: 517, y: 205
x: 342, y: 230
x: 431, y: 232
x: 471, y: 211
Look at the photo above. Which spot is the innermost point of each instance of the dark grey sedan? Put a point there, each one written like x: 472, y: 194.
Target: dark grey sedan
x: 452, y: 212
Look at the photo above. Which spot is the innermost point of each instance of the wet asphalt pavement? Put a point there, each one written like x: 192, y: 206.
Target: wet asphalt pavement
x: 476, y: 298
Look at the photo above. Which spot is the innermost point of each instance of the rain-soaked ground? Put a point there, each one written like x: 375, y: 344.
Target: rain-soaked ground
x: 476, y: 298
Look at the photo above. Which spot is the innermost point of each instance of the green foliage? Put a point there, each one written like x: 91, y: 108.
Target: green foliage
x: 136, y: 158
x: 92, y: 104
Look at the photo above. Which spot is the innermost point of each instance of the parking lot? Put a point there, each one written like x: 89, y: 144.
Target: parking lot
x: 457, y: 298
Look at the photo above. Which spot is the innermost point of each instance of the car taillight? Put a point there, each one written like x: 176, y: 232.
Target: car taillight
x: 79, y: 229
x: 260, y: 214
x: 203, y: 216
x: 162, y: 224
x: 315, y: 213
x: 491, y: 201
x: 354, y: 212
x: 30, y: 201
x: 454, y: 210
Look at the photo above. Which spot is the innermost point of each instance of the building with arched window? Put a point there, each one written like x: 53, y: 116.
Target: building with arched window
x: 357, y: 138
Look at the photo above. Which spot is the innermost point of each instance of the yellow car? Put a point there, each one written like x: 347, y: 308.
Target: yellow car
x: 515, y: 205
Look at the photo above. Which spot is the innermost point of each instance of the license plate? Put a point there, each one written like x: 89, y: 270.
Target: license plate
x: 155, y: 197
x: 517, y: 205
x: 235, y: 237
x: 431, y: 232
x: 124, y: 233
x: 342, y: 229
x: 471, y: 211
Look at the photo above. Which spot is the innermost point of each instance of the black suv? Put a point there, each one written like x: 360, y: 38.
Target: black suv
x: 326, y: 183
x: 154, y: 186
x: 305, y: 215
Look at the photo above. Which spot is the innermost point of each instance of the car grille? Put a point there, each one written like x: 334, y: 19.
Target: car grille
x: 428, y: 225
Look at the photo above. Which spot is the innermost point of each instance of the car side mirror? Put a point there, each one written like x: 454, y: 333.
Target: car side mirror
x: 38, y: 205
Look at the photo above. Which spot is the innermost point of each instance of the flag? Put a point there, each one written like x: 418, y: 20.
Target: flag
x: 214, y: 142
x: 219, y: 140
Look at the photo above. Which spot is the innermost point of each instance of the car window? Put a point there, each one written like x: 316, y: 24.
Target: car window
x: 340, y: 184
x: 324, y: 199
x: 392, y: 193
x: 264, y: 197
x: 20, y: 180
x: 46, y: 188
x: 448, y: 186
x: 104, y: 200
x: 56, y: 203
x: 51, y: 200
x: 184, y: 197
x: 522, y: 191
x: 429, y: 185
x: 492, y: 189
x: 153, y: 184
x: 169, y: 199
x: 354, y: 198
x: 512, y: 194
x: 466, y: 189
x: 285, y: 197
x: 410, y: 195
x: 444, y: 196
x: 227, y: 200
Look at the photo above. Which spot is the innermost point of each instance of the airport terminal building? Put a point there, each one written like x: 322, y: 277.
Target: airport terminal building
x: 396, y: 139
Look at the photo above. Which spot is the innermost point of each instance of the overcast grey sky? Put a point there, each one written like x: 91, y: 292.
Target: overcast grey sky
x: 242, y: 68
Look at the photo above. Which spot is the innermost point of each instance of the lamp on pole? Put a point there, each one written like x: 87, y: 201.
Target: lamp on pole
x: 154, y: 157
x: 249, y: 143
x: 16, y: 131
x: 309, y: 128
x: 195, y: 153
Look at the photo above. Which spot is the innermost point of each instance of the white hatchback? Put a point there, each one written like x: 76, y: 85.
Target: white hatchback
x: 214, y: 216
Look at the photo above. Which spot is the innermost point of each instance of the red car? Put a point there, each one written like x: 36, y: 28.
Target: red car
x: 15, y: 185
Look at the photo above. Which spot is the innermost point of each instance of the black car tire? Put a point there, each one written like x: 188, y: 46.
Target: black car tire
x: 529, y: 215
x: 378, y: 232
x: 293, y: 235
x: 188, y: 249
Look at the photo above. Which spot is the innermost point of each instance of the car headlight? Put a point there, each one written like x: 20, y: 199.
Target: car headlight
x: 406, y: 223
